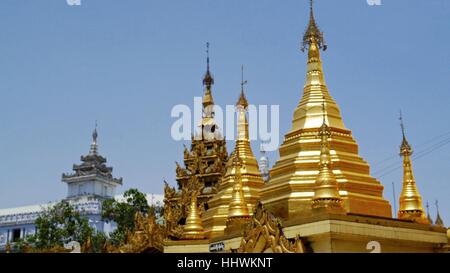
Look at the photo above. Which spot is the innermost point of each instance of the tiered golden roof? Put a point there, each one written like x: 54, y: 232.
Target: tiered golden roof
x: 410, y: 200
x: 205, y: 160
x: 292, y: 179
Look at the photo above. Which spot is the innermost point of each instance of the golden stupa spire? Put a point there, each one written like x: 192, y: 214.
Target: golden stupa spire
x: 193, y: 228
x: 209, y: 129
x: 293, y: 176
x: 326, y: 192
x: 238, y: 192
x: 242, y: 101
x: 410, y: 201
x: 313, y: 32
x: 238, y: 208
x: 241, y: 105
x: 306, y: 114
x: 438, y: 221
x: 208, y: 81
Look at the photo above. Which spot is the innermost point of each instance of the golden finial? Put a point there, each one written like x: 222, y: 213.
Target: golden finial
x: 326, y: 192
x: 242, y: 101
x: 438, y: 221
x: 402, y: 126
x: 313, y: 35
x: 208, y: 81
x: 410, y: 200
x: 243, y: 82
x: 405, y: 148
x: 241, y: 107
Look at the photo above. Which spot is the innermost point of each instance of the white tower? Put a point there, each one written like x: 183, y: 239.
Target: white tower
x: 91, y: 178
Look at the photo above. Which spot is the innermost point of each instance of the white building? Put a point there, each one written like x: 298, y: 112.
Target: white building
x: 90, y: 183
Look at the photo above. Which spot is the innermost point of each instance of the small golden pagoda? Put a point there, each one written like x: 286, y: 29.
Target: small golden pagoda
x: 326, y: 192
x: 238, y: 214
x: 193, y: 229
x: 410, y: 201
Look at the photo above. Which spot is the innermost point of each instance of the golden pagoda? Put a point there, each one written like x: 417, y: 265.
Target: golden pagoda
x: 193, y: 229
x: 410, y: 200
x: 320, y: 196
x: 238, y: 214
x: 245, y: 175
x: 292, y: 179
x: 326, y: 192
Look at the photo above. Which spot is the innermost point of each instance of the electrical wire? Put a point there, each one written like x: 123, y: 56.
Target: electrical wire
x: 421, y: 154
x: 390, y: 158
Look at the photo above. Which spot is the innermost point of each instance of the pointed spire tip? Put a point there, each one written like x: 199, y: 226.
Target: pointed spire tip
x: 94, y: 146
x: 242, y: 101
x: 313, y: 33
x: 208, y: 80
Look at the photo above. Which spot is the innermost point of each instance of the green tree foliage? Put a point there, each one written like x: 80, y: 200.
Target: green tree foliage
x: 98, y: 241
x: 60, y: 224
x: 123, y: 212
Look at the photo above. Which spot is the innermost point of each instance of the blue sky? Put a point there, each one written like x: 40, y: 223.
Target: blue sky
x: 127, y: 63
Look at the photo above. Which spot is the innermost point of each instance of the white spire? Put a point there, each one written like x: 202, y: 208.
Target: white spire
x: 264, y: 164
x: 94, y: 146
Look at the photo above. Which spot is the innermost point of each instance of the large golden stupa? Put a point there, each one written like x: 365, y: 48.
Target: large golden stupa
x: 293, y: 178
x: 320, y: 196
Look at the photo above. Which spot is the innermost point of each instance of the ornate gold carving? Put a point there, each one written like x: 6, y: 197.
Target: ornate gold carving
x: 172, y: 212
x: 148, y: 236
x: 206, y: 162
x: 181, y: 172
x: 264, y: 234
